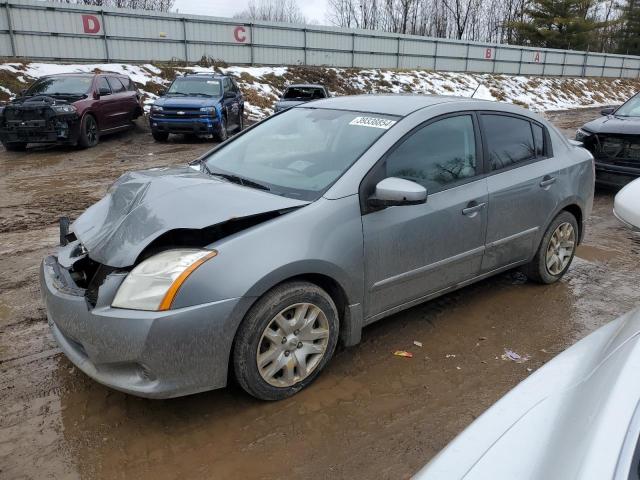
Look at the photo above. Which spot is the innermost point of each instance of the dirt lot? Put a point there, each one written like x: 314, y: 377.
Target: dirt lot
x: 370, y: 415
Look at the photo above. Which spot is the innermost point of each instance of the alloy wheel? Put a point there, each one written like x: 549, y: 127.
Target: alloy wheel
x: 292, y: 345
x: 560, y: 249
x: 92, y: 131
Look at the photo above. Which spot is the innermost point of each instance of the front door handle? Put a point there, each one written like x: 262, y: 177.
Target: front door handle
x: 547, y: 181
x: 473, y: 208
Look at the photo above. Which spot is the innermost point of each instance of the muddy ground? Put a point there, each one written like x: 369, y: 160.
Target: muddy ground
x: 370, y: 415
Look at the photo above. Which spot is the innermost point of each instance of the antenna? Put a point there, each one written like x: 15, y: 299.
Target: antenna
x: 476, y: 90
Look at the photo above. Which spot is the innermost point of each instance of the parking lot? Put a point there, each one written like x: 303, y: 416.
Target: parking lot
x: 370, y: 415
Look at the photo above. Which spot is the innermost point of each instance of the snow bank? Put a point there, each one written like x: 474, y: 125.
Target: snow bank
x: 263, y: 85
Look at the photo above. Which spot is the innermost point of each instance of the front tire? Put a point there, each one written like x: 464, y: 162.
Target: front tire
x: 89, y: 135
x: 222, y: 134
x: 159, y: 136
x: 285, y: 340
x: 556, y: 251
x: 15, y: 146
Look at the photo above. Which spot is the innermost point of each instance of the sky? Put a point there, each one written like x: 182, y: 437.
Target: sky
x: 314, y: 10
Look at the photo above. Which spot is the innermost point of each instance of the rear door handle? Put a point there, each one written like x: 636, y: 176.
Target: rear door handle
x: 547, y: 181
x: 473, y: 208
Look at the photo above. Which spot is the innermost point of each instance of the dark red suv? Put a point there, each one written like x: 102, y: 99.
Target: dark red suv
x: 74, y: 108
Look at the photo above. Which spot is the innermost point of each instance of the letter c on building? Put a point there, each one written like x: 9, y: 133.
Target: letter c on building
x: 239, y: 34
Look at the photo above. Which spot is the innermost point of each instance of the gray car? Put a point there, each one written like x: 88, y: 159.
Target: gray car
x: 298, y: 94
x: 302, y: 230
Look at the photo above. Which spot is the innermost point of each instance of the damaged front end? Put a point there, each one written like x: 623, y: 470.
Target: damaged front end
x: 617, y: 157
x: 40, y: 119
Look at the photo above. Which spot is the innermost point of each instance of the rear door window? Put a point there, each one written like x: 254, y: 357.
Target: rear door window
x: 538, y: 139
x: 103, y: 86
x: 116, y: 85
x: 437, y: 155
x: 509, y: 140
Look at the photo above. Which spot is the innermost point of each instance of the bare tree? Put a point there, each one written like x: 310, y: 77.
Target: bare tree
x: 156, y: 5
x: 273, y: 11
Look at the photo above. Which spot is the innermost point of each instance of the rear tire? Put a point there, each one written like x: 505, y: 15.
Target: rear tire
x: 556, y: 251
x: 89, y: 134
x: 159, y: 136
x: 15, y: 146
x: 285, y: 340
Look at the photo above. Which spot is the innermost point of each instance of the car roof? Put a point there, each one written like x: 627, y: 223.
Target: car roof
x: 85, y: 74
x: 387, y: 104
x: 217, y: 76
x: 305, y: 85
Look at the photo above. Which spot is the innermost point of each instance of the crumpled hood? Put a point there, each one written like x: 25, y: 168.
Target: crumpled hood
x: 141, y: 206
x: 613, y: 124
x: 567, y: 420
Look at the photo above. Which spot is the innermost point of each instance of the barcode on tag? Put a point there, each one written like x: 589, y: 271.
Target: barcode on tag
x: 372, y: 122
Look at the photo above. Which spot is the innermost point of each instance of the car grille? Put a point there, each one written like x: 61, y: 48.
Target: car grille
x: 623, y: 150
x: 27, y: 114
x: 171, y: 112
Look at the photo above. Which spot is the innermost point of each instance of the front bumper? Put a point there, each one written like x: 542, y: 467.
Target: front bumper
x: 197, y: 126
x: 614, y: 175
x: 40, y: 131
x: 148, y: 354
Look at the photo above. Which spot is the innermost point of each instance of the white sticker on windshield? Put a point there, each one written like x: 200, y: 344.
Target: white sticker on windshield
x: 372, y: 122
x: 211, y: 82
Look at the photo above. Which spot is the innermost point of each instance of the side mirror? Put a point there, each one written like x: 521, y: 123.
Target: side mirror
x: 626, y: 205
x: 393, y: 191
x: 103, y: 91
x: 23, y: 92
x: 161, y: 93
x: 229, y: 94
x: 607, y: 111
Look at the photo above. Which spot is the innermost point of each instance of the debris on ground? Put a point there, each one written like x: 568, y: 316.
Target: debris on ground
x: 450, y: 355
x: 515, y: 357
x: 417, y: 343
x: 403, y: 353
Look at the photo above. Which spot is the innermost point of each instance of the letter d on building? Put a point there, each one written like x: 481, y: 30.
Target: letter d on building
x: 90, y: 24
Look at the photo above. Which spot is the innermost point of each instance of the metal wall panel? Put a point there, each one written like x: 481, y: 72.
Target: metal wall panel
x: 140, y: 51
x: 329, y: 41
x: 426, y: 63
x: 143, y: 28
x: 4, y: 24
x: 413, y: 47
x: 286, y: 38
x: 233, y: 54
x: 79, y: 34
x: 5, y: 45
x: 367, y: 60
x: 376, y: 44
x: 59, y: 47
x: 278, y: 56
x: 333, y: 59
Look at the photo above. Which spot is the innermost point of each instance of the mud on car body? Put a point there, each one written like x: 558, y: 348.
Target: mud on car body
x: 258, y: 257
x: 69, y: 109
x: 614, y: 141
x: 199, y: 104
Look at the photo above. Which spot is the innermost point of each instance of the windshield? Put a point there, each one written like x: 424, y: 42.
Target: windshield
x: 61, y: 86
x: 631, y: 108
x: 300, y: 152
x: 195, y: 86
x: 303, y: 93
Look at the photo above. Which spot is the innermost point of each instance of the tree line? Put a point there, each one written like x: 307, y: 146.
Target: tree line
x: 611, y: 26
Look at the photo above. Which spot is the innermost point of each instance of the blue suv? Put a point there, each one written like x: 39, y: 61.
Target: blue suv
x: 198, y: 104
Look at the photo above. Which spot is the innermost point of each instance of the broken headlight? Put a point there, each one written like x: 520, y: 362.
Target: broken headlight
x: 581, y: 134
x: 64, y: 109
x: 154, y: 283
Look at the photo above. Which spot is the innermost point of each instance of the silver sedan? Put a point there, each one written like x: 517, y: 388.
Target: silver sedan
x: 300, y: 231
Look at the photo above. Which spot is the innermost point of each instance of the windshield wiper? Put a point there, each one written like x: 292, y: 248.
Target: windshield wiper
x: 236, y: 179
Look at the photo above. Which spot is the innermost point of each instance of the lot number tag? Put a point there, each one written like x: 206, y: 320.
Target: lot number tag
x: 372, y: 122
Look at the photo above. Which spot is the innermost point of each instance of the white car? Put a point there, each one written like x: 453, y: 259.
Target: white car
x: 577, y: 417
